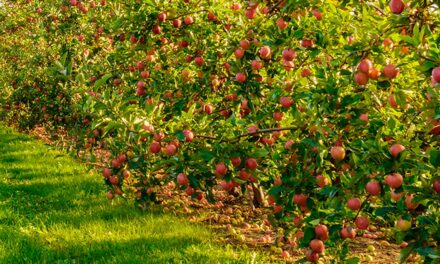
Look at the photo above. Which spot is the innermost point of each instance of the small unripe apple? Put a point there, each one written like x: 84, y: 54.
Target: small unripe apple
x: 403, y: 225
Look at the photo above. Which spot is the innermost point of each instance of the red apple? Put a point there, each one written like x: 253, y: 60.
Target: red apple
x: 396, y: 196
x: 220, y: 169
x: 300, y: 199
x: 436, y: 186
x: 265, y: 52
x: 362, y: 222
x: 189, y: 135
x: 321, y: 231
x: 337, y: 153
x: 436, y: 74
x: 240, y: 77
x: 155, y: 148
x: 317, y: 246
x: 286, y: 102
x: 321, y: 181
x: 236, y: 161
x: 278, y: 116
x: 410, y: 205
x: 365, y: 66
x: 391, y: 71
x: 162, y: 17
x: 177, y: 23
x: 245, y: 44
x: 392, y: 101
x: 170, y: 149
x: 251, y: 163
x: 397, y: 6
x: 394, y: 180
x: 361, y: 78
x: 288, y: 54
x: 199, y: 61
x: 348, y: 232
x: 189, y: 20
x: 182, y: 179
x: 395, y: 149
x: 256, y: 65
x: 354, y: 204
x: 374, y: 74
x: 239, y: 53
x: 373, y: 188
x: 281, y: 23
x: 317, y: 14
x: 106, y: 172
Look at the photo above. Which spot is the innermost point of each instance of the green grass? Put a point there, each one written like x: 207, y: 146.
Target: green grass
x: 52, y: 210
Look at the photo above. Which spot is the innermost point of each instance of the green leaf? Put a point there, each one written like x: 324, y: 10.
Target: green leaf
x: 102, y: 81
x: 259, y: 153
x: 353, y: 260
x: 435, y: 158
x: 206, y: 154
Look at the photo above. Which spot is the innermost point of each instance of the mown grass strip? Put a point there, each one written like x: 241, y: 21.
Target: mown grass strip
x: 52, y: 210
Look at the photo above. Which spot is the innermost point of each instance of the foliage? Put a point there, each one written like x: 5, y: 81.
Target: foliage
x: 314, y: 93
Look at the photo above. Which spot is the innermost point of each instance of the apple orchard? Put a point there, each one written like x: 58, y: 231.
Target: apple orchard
x: 326, y: 111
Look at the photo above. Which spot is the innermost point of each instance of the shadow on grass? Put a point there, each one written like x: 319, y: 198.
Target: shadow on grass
x: 52, y: 211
